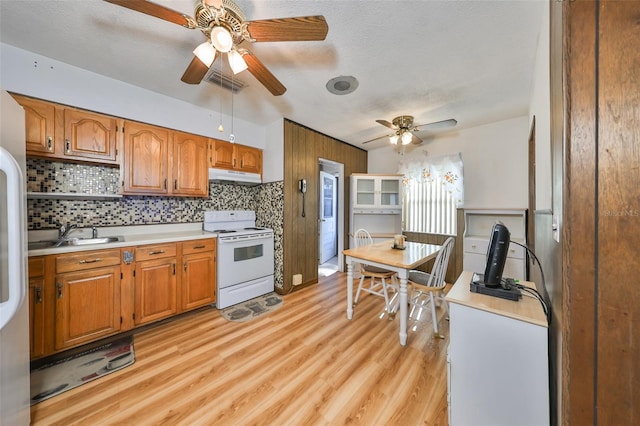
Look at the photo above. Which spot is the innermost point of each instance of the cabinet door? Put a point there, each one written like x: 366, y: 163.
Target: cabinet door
x: 36, y: 317
x: 222, y: 156
x: 190, y: 174
x: 365, y: 192
x: 198, y: 280
x: 155, y: 290
x: 89, y: 136
x: 87, y: 306
x: 146, y: 159
x: 40, y: 126
x: 248, y: 159
x: 389, y: 192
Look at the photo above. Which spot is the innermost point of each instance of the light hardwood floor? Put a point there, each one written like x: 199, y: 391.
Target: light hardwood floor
x: 304, y: 364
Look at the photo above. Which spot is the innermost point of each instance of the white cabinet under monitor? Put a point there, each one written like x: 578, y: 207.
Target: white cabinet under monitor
x: 498, y: 360
x: 478, y: 224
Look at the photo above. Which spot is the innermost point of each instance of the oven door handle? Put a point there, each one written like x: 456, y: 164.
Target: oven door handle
x: 240, y: 238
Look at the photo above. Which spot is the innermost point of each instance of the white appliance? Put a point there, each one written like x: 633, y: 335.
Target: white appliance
x: 244, y: 256
x: 14, y: 311
x: 244, y: 178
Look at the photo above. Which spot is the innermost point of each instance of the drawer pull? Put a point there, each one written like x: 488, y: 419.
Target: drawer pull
x: 199, y: 247
x: 473, y: 246
x: 84, y: 261
x: 151, y: 253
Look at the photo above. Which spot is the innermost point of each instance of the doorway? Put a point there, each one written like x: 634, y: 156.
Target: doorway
x: 330, y: 217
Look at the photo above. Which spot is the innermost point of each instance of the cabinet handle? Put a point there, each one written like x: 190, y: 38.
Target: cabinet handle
x: 234, y: 163
x: 174, y: 269
x: 59, y: 286
x: 473, y: 246
x: 49, y: 143
x: 199, y: 247
x: 185, y: 266
x: 164, y: 185
x: 67, y: 145
x: 83, y: 261
x: 175, y: 184
x: 151, y: 253
x: 241, y: 164
x: 38, y: 294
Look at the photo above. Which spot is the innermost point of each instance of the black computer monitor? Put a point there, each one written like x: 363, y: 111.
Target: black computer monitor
x: 496, y: 255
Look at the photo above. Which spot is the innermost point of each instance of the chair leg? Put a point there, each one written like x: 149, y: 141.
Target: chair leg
x: 355, y: 301
x: 386, y: 298
x: 434, y: 317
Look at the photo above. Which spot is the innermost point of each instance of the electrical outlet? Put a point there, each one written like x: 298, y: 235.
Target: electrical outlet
x: 297, y: 279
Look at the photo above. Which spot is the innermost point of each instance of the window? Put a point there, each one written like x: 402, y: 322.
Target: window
x: 433, y: 191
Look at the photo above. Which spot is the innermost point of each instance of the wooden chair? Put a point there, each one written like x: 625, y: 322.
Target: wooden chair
x: 374, y: 276
x: 423, y: 284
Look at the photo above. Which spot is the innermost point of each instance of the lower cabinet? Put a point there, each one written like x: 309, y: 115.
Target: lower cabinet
x: 155, y: 283
x: 87, y: 297
x: 77, y: 298
x: 198, y: 273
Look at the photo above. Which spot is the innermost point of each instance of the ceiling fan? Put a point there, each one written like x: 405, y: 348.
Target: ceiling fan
x: 405, y: 129
x: 226, y: 28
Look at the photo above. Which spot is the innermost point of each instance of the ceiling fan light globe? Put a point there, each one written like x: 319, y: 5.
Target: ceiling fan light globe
x: 394, y: 139
x: 236, y: 61
x: 221, y: 39
x: 406, y: 138
x: 205, y: 53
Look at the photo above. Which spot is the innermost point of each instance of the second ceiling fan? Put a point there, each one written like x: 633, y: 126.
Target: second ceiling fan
x: 404, y: 129
x: 224, y: 25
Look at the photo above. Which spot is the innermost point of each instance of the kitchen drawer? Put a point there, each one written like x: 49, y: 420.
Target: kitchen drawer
x: 198, y: 246
x: 87, y: 260
x: 479, y: 246
x: 36, y: 267
x: 155, y: 251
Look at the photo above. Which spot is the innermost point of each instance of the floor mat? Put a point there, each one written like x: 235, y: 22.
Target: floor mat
x: 68, y: 372
x: 252, y: 308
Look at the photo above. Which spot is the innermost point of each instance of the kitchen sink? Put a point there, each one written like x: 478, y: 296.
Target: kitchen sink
x: 37, y: 245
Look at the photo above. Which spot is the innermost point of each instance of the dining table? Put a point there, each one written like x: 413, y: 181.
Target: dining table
x: 400, y: 260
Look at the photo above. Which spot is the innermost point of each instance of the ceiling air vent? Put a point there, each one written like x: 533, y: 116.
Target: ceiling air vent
x: 223, y: 80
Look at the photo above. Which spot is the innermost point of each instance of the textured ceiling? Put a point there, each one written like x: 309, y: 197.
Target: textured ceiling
x: 468, y: 60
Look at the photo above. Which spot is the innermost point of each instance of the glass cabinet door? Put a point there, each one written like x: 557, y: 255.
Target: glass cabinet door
x: 390, y: 192
x: 365, y: 192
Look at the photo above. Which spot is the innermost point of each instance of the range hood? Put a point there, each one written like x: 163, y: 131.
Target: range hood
x: 244, y: 178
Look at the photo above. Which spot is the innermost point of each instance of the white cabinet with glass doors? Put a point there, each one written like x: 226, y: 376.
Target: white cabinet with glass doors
x: 376, y: 191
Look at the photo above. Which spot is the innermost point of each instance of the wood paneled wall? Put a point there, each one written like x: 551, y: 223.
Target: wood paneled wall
x: 601, y: 238
x: 303, y: 147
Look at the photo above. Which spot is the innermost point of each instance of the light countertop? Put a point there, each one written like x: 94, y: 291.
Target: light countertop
x: 131, y: 235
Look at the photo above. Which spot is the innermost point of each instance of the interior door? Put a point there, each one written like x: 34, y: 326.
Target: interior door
x: 328, y: 244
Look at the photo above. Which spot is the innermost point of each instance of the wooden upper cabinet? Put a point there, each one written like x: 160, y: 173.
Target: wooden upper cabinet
x: 227, y: 155
x: 146, y: 159
x: 90, y: 135
x: 40, y: 124
x: 56, y: 131
x: 248, y: 159
x: 190, y: 174
x: 222, y: 154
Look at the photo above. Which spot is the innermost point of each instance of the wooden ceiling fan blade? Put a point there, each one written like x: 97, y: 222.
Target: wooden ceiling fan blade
x: 387, y: 124
x: 195, y: 72
x: 375, y: 139
x: 415, y: 140
x: 263, y: 75
x: 153, y: 9
x: 302, y: 28
x: 437, y: 124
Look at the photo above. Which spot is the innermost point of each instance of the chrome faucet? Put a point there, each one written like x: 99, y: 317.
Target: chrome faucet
x: 63, y: 233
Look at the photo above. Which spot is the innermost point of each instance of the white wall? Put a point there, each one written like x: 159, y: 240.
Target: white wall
x: 273, y: 154
x: 540, y: 107
x: 41, y: 77
x: 495, y: 158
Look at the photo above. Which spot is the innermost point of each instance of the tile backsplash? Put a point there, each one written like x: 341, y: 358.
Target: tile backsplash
x: 45, y: 176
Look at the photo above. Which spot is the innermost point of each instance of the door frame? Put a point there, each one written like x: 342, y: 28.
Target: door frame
x: 340, y: 207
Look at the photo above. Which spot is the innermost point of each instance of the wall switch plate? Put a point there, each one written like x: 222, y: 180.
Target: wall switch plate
x: 297, y: 279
